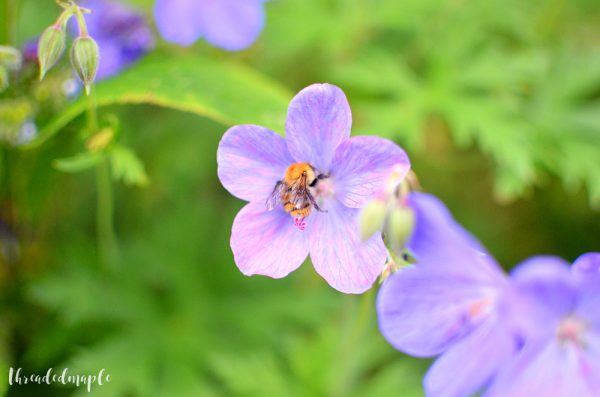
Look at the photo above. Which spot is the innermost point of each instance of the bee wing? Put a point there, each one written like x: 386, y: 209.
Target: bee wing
x: 299, y: 193
x: 275, y: 196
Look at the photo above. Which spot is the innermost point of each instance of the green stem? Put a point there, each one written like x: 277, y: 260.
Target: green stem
x: 92, y: 114
x: 83, y: 32
x: 107, y: 242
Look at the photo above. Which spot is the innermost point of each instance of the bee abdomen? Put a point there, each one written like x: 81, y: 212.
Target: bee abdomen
x: 290, y: 207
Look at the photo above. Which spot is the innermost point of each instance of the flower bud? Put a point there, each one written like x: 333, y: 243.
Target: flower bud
x: 85, y: 57
x: 372, y: 218
x: 401, y: 224
x: 10, y: 57
x: 50, y: 48
x: 3, y: 78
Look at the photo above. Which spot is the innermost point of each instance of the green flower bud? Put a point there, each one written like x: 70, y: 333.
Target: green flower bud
x: 372, y: 218
x: 10, y: 57
x: 3, y: 78
x: 401, y: 224
x: 50, y: 48
x: 85, y: 57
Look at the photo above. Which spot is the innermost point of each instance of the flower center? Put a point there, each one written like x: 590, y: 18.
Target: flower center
x: 480, y: 309
x: 571, y: 329
x: 302, y: 190
x: 323, y: 189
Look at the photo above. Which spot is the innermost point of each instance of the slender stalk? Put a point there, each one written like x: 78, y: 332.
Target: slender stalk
x: 107, y: 243
x: 105, y: 234
x: 83, y: 32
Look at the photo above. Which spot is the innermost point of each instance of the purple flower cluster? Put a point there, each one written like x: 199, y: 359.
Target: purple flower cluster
x: 229, y: 24
x: 252, y: 163
x: 533, y: 333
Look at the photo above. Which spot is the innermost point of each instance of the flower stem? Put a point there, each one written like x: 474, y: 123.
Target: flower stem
x: 83, y: 32
x: 107, y: 245
x: 105, y: 234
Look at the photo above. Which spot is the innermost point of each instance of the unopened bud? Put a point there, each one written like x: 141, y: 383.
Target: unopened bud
x: 50, y: 48
x: 401, y: 225
x: 372, y: 218
x: 10, y: 57
x: 85, y: 57
x: 3, y: 78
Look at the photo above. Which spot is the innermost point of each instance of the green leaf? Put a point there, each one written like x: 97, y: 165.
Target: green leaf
x: 219, y: 89
x: 127, y: 166
x: 77, y: 163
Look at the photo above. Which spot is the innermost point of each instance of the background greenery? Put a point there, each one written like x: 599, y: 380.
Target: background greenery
x: 497, y: 103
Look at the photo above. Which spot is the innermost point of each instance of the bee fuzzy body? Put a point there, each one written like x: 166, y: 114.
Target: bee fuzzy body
x: 293, y: 192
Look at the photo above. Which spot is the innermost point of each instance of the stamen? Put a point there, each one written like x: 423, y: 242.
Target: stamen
x: 571, y: 329
x: 299, y: 223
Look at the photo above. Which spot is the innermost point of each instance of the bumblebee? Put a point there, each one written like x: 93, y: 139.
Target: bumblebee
x: 294, y: 193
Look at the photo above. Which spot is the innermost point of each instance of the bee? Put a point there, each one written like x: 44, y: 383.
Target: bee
x: 294, y: 193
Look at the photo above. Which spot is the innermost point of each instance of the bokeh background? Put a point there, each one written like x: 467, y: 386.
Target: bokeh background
x: 497, y: 103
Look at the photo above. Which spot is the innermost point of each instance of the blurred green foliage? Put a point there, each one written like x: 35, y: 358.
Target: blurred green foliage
x: 497, y: 102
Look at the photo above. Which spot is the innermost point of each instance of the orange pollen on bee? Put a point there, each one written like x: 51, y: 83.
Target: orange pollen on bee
x: 297, y: 171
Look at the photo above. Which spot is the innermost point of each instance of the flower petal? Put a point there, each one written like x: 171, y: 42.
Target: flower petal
x: 178, y: 20
x: 587, y: 272
x: 438, y: 240
x: 251, y: 159
x: 588, y: 264
x: 267, y: 242
x: 424, y: 310
x: 318, y: 120
x: 470, y: 364
x: 338, y: 254
x: 362, y: 165
x: 550, y: 370
x: 548, y: 281
x: 232, y: 24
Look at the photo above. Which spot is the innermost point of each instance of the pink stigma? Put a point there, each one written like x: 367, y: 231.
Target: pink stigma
x: 299, y: 223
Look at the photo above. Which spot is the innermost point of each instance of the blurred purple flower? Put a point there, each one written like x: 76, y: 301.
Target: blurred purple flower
x: 229, y: 24
x: 252, y: 159
x: 559, y: 310
x: 122, y: 34
x: 30, y: 50
x: 451, y: 303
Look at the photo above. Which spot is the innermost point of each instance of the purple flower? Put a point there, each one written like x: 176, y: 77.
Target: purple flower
x: 229, y: 24
x: 559, y: 310
x: 122, y: 34
x: 451, y: 303
x: 346, y: 172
